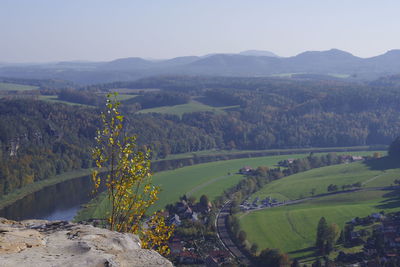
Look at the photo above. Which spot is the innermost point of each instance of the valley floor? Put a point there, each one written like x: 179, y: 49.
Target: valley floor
x: 292, y: 228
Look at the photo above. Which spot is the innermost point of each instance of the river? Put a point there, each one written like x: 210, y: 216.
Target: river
x: 62, y: 201
x: 57, y: 202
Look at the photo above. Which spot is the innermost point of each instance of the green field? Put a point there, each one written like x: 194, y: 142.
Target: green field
x: 54, y: 99
x: 133, y: 91
x: 192, y: 106
x: 293, y: 228
x: 299, y: 185
x: 120, y: 96
x: 207, y: 178
x: 16, y: 87
x: 123, y: 97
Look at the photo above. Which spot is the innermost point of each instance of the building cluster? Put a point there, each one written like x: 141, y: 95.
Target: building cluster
x: 194, y: 248
x: 285, y: 163
x: 185, y: 211
x: 380, y: 244
x: 350, y: 158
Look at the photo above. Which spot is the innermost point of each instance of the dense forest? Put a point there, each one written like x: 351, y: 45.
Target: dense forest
x: 39, y: 139
x: 285, y: 113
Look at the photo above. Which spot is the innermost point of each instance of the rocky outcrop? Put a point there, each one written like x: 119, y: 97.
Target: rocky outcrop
x: 60, y: 243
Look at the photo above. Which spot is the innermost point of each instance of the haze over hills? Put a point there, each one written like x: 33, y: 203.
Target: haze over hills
x: 258, y: 53
x: 249, y: 63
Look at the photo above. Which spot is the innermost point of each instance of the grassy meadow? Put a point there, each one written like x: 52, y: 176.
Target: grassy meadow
x: 16, y: 87
x: 54, y: 99
x: 179, y: 110
x: 292, y: 229
x: 299, y: 185
x: 124, y: 97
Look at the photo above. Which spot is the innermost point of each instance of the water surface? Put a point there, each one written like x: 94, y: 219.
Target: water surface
x: 57, y: 202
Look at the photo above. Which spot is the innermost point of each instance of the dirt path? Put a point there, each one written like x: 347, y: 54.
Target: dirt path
x: 292, y: 225
x: 373, y: 178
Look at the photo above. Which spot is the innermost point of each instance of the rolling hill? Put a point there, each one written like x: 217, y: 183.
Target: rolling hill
x: 247, y: 63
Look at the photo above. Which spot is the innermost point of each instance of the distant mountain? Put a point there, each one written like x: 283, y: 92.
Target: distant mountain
x: 323, y: 62
x: 385, y: 63
x: 259, y: 53
x: 178, y: 61
x: 124, y: 64
x: 228, y: 64
x: 247, y: 63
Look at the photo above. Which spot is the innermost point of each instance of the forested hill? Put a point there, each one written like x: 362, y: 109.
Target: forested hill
x: 39, y: 139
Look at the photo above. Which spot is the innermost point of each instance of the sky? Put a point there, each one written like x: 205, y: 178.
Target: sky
x: 99, y: 30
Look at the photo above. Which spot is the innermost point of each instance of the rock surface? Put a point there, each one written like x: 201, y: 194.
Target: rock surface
x: 60, y: 243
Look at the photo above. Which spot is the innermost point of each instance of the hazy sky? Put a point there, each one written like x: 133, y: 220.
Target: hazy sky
x: 54, y: 30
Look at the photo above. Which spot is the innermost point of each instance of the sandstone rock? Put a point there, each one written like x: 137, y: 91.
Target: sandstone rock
x: 59, y: 243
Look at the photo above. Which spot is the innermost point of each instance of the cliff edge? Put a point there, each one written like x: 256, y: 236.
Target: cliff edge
x: 60, y: 243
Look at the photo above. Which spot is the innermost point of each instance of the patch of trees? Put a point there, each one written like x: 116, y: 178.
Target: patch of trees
x: 272, y: 257
x: 221, y: 97
x: 332, y: 188
x: 327, y: 236
x: 81, y: 97
x: 311, y: 162
x: 394, y: 148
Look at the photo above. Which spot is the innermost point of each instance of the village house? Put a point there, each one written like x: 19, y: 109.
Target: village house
x: 285, y: 163
x: 246, y: 170
x: 175, y: 220
x: 356, y: 158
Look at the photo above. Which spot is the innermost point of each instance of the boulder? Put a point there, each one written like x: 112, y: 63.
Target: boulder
x: 60, y: 243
